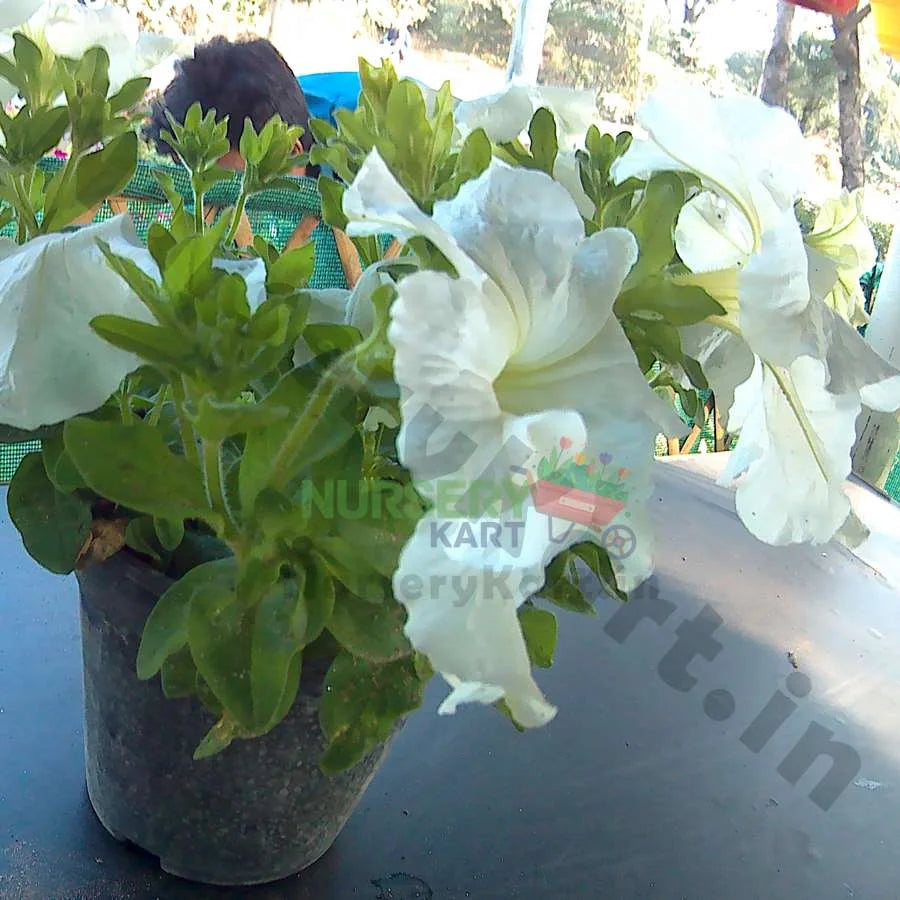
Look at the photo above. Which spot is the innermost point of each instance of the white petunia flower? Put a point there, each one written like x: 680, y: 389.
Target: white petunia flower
x: 506, y: 115
x: 798, y: 372
x: 52, y: 364
x: 71, y: 29
x: 495, y: 367
x: 840, y: 247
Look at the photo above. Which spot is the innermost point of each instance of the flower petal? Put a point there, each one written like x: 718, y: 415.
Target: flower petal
x: 841, y: 236
x: 253, y: 271
x: 740, y: 147
x: 725, y: 358
x: 712, y: 233
x: 461, y: 592
x: 52, y: 364
x: 566, y: 172
x: 452, y: 341
x: 520, y: 227
x: 17, y: 12
x: 791, y: 492
x: 503, y: 116
x: 621, y: 420
x: 773, y: 291
x: 375, y: 203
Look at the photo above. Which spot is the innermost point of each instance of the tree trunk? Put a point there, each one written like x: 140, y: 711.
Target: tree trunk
x: 773, y: 86
x: 693, y: 9
x: 526, y: 53
x: 845, y: 50
x: 273, y: 11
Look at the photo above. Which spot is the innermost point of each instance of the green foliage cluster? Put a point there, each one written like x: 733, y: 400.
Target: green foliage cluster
x: 200, y: 463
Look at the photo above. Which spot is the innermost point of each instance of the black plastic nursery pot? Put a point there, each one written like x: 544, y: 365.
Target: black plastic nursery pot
x: 258, y: 811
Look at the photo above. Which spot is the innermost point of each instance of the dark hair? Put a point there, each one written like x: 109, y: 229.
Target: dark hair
x: 243, y: 80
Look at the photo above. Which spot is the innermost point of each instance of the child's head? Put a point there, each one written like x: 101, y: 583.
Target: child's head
x: 242, y: 80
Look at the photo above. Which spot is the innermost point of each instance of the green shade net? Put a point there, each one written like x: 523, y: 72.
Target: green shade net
x: 273, y: 215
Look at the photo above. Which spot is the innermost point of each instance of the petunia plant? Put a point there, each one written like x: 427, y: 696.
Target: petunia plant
x: 344, y: 473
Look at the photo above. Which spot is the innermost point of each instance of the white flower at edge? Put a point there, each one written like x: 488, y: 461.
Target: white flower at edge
x: 15, y: 12
x: 338, y: 306
x: 506, y: 115
x: 798, y: 372
x: 841, y: 243
x: 494, y: 367
x: 71, y: 29
x: 52, y: 364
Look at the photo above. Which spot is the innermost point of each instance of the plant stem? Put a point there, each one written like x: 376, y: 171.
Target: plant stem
x: 236, y: 218
x: 199, y: 221
x: 156, y: 412
x: 213, y: 481
x: 187, y: 433
x: 343, y: 372
x: 27, y: 219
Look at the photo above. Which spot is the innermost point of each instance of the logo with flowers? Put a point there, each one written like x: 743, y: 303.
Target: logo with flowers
x: 579, y: 489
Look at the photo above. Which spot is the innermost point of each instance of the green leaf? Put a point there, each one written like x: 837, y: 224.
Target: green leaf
x: 361, y: 704
x: 539, y: 630
x: 291, y: 270
x: 325, y: 338
x: 599, y: 563
x: 372, y: 631
x: 129, y: 95
x: 319, y: 597
x: 166, y: 629
x: 58, y: 465
x: 561, y: 587
x: 274, y: 649
x: 331, y: 432
x: 220, y: 636
x: 217, y: 739
x: 155, y: 344
x: 653, y: 225
x: 673, y: 303
x: 332, y: 194
x: 215, y: 420
x: 544, y: 145
x: 54, y: 526
x: 178, y: 675
x: 141, y: 536
x: 97, y: 176
x: 131, y: 465
x: 169, y: 532
x: 159, y: 242
x: 694, y: 372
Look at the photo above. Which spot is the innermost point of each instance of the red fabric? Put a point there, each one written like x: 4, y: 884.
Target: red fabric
x: 832, y: 7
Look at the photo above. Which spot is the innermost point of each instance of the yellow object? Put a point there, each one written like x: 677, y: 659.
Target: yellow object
x: 887, y: 25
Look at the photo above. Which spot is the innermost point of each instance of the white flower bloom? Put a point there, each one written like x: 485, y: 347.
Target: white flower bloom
x: 17, y: 12
x: 71, y: 29
x: 52, y: 364
x: 566, y: 172
x: 798, y: 372
x: 494, y: 367
x: 842, y: 245
x: 13, y: 14
x: 506, y: 115
x: 337, y: 306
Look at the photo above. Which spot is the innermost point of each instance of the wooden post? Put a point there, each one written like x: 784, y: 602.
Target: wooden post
x: 878, y: 434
